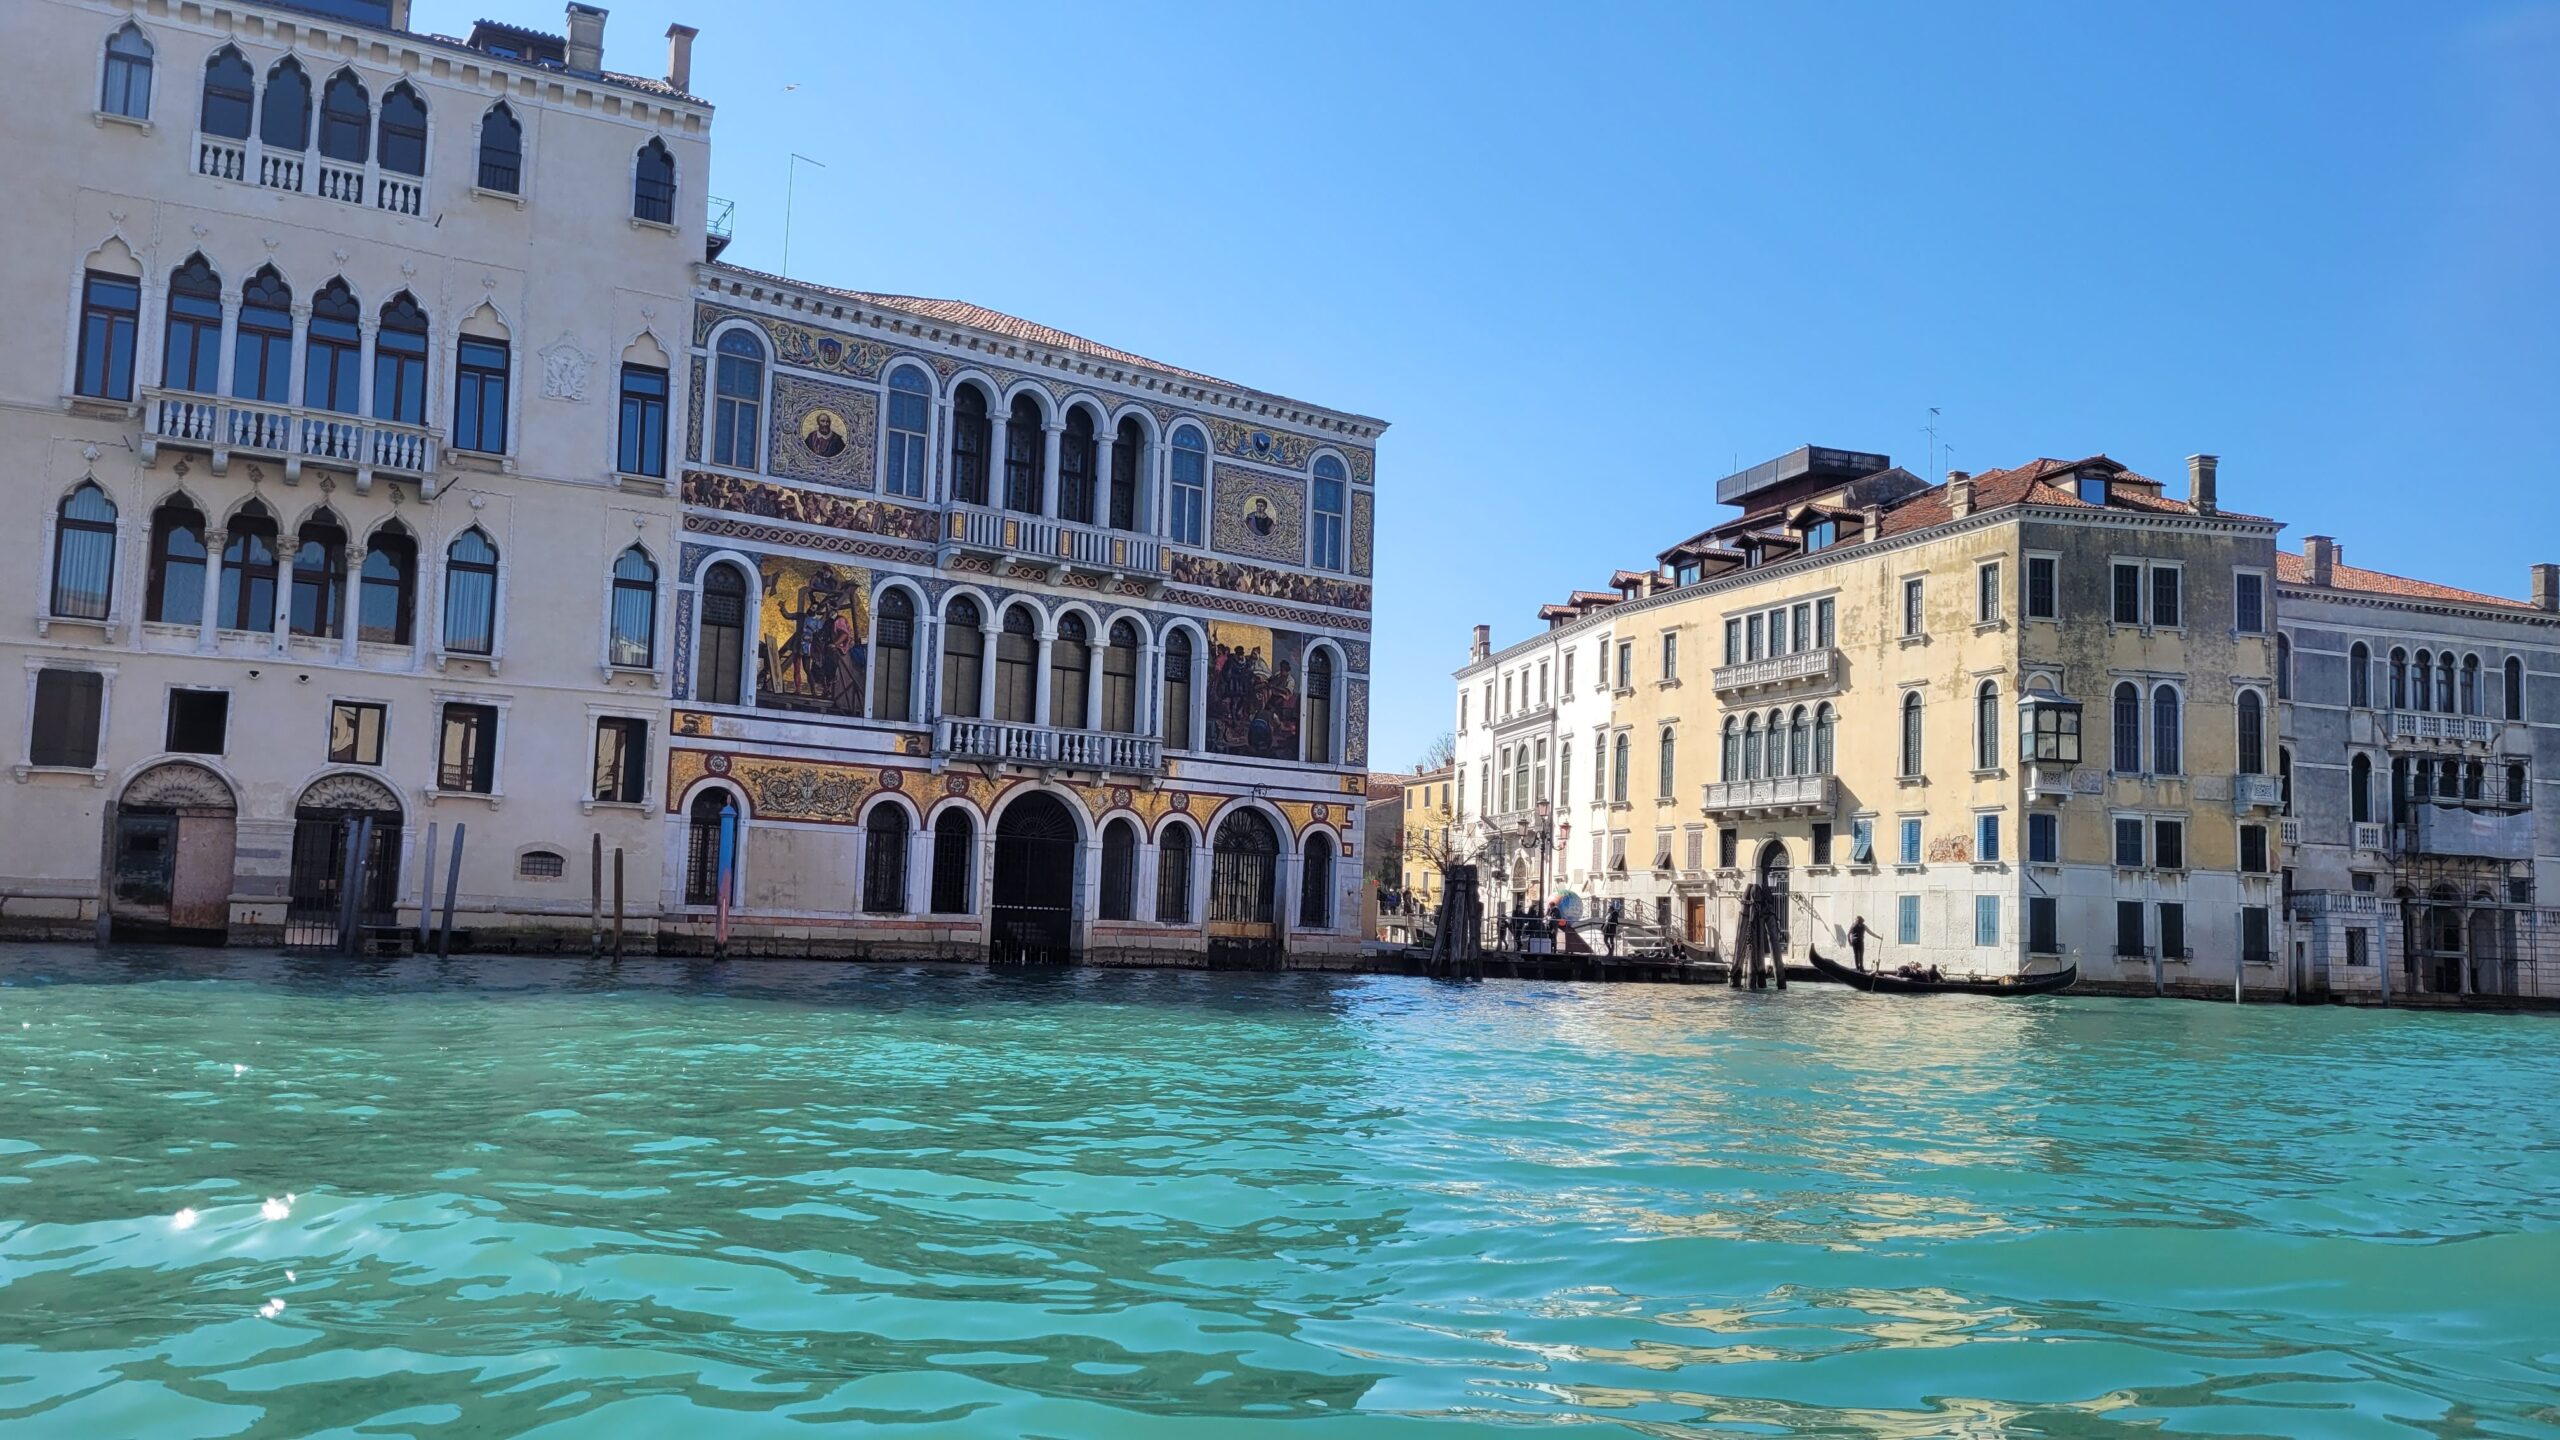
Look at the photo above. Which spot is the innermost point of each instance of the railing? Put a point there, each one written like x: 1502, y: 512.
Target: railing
x: 2257, y: 792
x: 2428, y: 725
x: 1038, y: 537
x: 289, y: 432
x: 1042, y: 745
x: 2335, y: 902
x: 1786, y: 792
x: 2368, y: 835
x: 1776, y: 670
x: 2290, y: 832
x: 347, y: 182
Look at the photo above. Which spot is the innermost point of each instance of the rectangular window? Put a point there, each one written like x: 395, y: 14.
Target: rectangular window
x: 622, y: 759
x: 1753, y: 628
x: 467, y: 752
x: 2173, y: 930
x: 2164, y: 597
x: 1190, y: 491
x: 1986, y: 594
x: 2358, y: 951
x: 1911, y: 618
x: 355, y: 733
x: 1802, y: 618
x: 1862, y: 842
x: 110, y: 309
x: 480, y: 396
x: 1697, y: 851
x: 2169, y: 844
x: 1626, y: 664
x: 1986, y: 839
x: 644, y: 422
x: 1821, y: 842
x: 2128, y: 594
x: 1728, y: 849
x: 1542, y: 683
x: 2044, y: 838
x: 199, y: 721
x: 2044, y: 928
x: 2128, y: 842
x: 2253, y: 849
x: 2042, y: 604
x: 2253, y: 935
x: 1568, y: 679
x: 1822, y: 624
x: 1671, y: 655
x: 1564, y: 771
x: 1911, y: 841
x: 1777, y: 632
x: 2249, y: 603
x: 1462, y: 712
x: 2128, y: 927
x: 1986, y: 919
x: 64, y: 728
x: 1906, y: 919
x: 1733, y: 641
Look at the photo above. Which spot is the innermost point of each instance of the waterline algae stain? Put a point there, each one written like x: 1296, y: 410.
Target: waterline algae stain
x: 249, y: 1196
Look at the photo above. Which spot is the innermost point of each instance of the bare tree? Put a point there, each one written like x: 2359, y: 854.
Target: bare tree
x: 1440, y: 754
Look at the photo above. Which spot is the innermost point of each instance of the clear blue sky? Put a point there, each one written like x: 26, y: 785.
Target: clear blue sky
x: 1588, y: 257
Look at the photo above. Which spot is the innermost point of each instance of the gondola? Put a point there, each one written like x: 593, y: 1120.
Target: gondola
x: 1884, y: 983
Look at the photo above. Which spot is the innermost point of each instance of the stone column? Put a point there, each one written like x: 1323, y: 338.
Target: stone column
x: 1051, y: 434
x: 283, y: 633
x: 1093, y: 685
x: 987, y: 670
x: 350, y: 612
x: 1102, y: 448
x: 209, y: 623
x: 996, y: 445
x: 1040, y: 681
x: 293, y: 365
x: 919, y: 870
x: 1150, y: 706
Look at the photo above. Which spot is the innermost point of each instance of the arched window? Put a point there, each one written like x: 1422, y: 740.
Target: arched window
x: 1177, y: 690
x: 2359, y: 675
x: 1823, y: 720
x: 1320, y: 707
x: 1731, y: 761
x: 719, y: 671
x: 248, y: 600
x: 177, y: 565
x: 2253, y: 733
x: 893, y: 657
x: 2422, y: 687
x: 1799, y: 743
x: 635, y: 609
x: 386, y: 593
x: 1751, y: 747
x: 1618, y: 771
x: 2284, y: 666
x: 653, y: 184
x: 2444, y: 682
x: 2399, y: 678
x: 1911, y: 758
x: 501, y: 151
x: 910, y: 413
x: 284, y: 114
x: 1324, y: 540
x: 1173, y: 875
x: 1075, y: 468
x: 2284, y: 777
x: 1120, y: 679
x: 971, y: 434
x: 1986, y: 726
x: 262, y: 348
x: 702, y: 846
x: 319, y: 577
x: 2515, y: 782
x: 1777, y: 742
x: 954, y: 845
x: 1668, y: 762
x: 884, y: 859
x: 2127, y: 727
x: 2470, y: 684
x: 126, y: 90
x: 403, y: 144
x: 1024, y: 444
x: 2515, y: 688
x: 1188, y: 504
x: 332, y: 350
x: 2165, y: 732
x: 230, y: 95
x: 471, y: 594
x: 964, y: 658
x: 1070, y: 653
x: 1017, y: 664
x: 1315, y: 887
x: 400, y: 362
x: 1128, y: 474
x: 1119, y: 870
x: 737, y: 409
x: 84, y: 554
x: 346, y: 119
x: 191, y: 349
x: 2360, y: 789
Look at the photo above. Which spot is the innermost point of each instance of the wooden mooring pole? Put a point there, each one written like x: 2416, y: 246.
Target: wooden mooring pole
x: 452, y: 882
x: 595, y: 893
x: 617, y: 902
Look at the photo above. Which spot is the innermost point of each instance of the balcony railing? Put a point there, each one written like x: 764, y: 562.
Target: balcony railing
x: 2368, y: 835
x: 2427, y: 727
x: 1053, y: 542
x: 2290, y: 832
x: 1797, y: 794
x: 1044, y: 745
x: 1815, y: 665
x: 299, y: 171
x: 2335, y: 902
x: 291, y: 433
x: 2257, y: 792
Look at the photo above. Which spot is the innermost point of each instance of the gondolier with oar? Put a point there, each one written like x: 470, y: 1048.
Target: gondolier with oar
x: 1858, y: 933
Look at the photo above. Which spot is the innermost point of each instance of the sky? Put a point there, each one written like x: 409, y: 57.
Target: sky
x: 1588, y: 258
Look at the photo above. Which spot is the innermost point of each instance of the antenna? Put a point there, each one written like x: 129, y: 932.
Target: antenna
x: 1931, y: 429
x: 789, y: 184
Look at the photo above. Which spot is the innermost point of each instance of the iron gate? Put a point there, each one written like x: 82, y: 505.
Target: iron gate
x: 1033, y: 918
x: 1244, y: 892
x: 312, y: 908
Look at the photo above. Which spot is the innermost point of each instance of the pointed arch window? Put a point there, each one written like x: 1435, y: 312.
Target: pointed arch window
x: 248, y: 600
x: 1120, y: 679
x: 401, y: 147
x: 2514, y: 688
x: 191, y: 340
x: 471, y: 594
x: 1315, y: 890
x: 910, y: 417
x: 954, y: 843
x: 971, y: 434
x: 640, y: 440
x: 319, y: 577
x: 737, y: 409
x: 2470, y: 684
x: 284, y: 112
x: 1911, y: 756
x: 126, y: 87
x: 230, y: 95
x: 2253, y: 733
x: 2126, y: 724
x: 1776, y: 739
x: 1986, y: 726
x: 346, y: 119
x: 1324, y: 541
x: 720, y: 669
x: 1178, y: 680
x: 2444, y: 682
x: 635, y: 609
x: 1070, y: 655
x: 2399, y: 678
x: 1173, y: 875
x: 110, y: 318
x: 332, y: 350
x: 1188, y: 503
x: 1322, y: 704
x: 501, y: 151
x: 1128, y: 472
x: 1119, y: 870
x: 1017, y: 663
x: 84, y: 554
x: 386, y: 591
x: 964, y: 657
x: 262, y: 345
x: 893, y: 657
x: 2359, y: 675
x: 1024, y: 443
x: 1075, y: 468
x: 1751, y: 747
x: 2167, y: 738
x: 1799, y: 744
x: 400, y: 362
x: 653, y: 184
x: 884, y: 859
x: 176, y: 585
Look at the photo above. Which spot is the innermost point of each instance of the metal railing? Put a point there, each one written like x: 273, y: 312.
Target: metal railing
x: 1776, y: 670
x: 1786, y: 792
x: 288, y: 432
x: 1039, y: 537
x: 1045, y: 745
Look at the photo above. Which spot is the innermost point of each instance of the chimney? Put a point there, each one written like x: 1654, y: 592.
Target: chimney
x: 2200, y: 483
x: 2319, y: 558
x: 2546, y: 588
x: 1483, y: 648
x: 680, y: 57
x: 1960, y: 493
x: 1872, y: 518
x: 586, y: 36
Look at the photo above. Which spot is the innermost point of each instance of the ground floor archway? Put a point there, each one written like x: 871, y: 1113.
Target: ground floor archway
x: 175, y: 844
x: 327, y: 818
x: 1037, y: 875
x: 1244, y: 893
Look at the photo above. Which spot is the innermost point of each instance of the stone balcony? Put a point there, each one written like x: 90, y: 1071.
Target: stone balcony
x: 1784, y: 795
x: 295, y: 435
x: 1037, y: 542
x: 1048, y: 748
x: 1804, y: 666
x: 2309, y: 903
x: 306, y: 172
x: 2257, y: 792
x: 2436, y: 729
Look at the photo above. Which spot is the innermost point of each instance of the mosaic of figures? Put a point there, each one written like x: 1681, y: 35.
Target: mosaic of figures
x: 813, y: 645
x: 739, y: 495
x: 1289, y: 452
x: 1253, y: 691
x: 1258, y: 514
x: 1185, y: 568
x: 822, y: 434
x: 799, y: 345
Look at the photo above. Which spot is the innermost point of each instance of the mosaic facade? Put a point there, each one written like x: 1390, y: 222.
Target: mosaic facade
x: 711, y: 490
x: 1264, y: 447
x: 1364, y: 507
x: 822, y: 434
x: 1254, y: 513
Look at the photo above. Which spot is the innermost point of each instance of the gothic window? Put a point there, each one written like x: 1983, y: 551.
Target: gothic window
x: 653, y: 184
x: 403, y: 139
x: 386, y: 591
x: 126, y: 88
x: 284, y: 113
x: 501, y: 150
x: 333, y: 347
x: 191, y: 337
x: 2359, y: 675
x: 2399, y: 678
x: 1731, y: 764
x: 319, y: 577
x: 262, y: 344
x: 2470, y: 684
x: 248, y: 599
x: 471, y: 594
x: 1751, y: 748
x: 110, y: 311
x: 400, y: 362
x: 84, y: 554
x: 346, y: 119
x: 970, y: 437
x: 1189, y: 502
x: 2515, y: 688
x: 641, y: 447
x: 177, y: 565
x: 230, y: 95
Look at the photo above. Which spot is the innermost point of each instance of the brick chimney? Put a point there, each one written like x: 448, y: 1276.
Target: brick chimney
x: 1960, y: 493
x: 2200, y: 483
x: 1482, y: 649
x: 680, y: 57
x: 2319, y: 558
x: 1872, y: 518
x: 2546, y: 588
x: 586, y: 36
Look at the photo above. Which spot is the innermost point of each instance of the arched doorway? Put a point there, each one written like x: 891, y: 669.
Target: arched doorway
x: 1244, y: 893
x: 1773, y: 892
x: 324, y: 820
x: 175, y: 832
x: 702, y: 846
x: 1038, y: 872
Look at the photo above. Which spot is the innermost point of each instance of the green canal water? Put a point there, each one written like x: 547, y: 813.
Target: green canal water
x: 261, y: 1196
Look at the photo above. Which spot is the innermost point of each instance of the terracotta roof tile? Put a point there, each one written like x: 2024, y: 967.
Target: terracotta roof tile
x: 2292, y: 569
x: 2028, y: 485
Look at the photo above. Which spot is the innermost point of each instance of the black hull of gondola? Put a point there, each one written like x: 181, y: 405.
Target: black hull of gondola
x: 1884, y: 984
